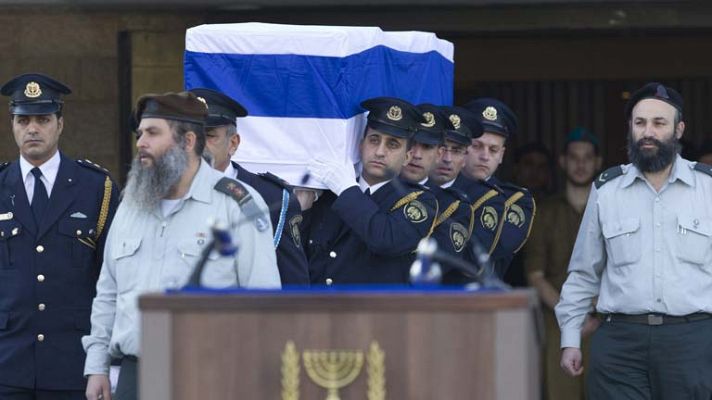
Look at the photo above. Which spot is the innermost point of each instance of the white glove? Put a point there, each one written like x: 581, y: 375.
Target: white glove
x: 334, y: 175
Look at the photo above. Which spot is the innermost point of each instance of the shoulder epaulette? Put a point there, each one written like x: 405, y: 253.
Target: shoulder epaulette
x: 4, y: 165
x: 702, y: 167
x: 608, y: 175
x: 92, y: 165
x: 242, y: 196
x: 276, y: 180
x: 457, y: 193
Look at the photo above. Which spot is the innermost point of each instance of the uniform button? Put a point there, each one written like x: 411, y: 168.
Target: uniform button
x: 657, y: 199
x: 39, y: 248
x: 40, y: 278
x: 332, y: 254
x: 41, y: 307
x: 329, y: 281
x: 658, y: 224
x: 79, y: 232
x: 659, y: 300
x: 40, y: 338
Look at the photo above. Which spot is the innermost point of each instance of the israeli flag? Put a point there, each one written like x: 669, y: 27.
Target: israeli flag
x: 302, y: 85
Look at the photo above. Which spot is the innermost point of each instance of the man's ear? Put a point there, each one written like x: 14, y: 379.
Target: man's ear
x: 190, y: 140
x: 408, y: 156
x: 679, y: 129
x: 233, y: 144
x: 60, y: 124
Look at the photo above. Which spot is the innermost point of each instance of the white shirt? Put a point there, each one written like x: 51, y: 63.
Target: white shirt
x: 363, y: 185
x: 230, y: 171
x: 49, y: 169
x: 447, y: 184
x: 641, y: 251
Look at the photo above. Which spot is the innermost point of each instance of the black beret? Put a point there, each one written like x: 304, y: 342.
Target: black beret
x: 183, y: 106
x: 495, y: 116
x: 392, y: 116
x: 222, y: 109
x: 431, y: 130
x: 654, y: 90
x: 34, y: 94
x: 465, y: 125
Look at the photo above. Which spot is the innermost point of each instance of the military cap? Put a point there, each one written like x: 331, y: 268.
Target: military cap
x: 580, y: 134
x: 495, y: 116
x: 392, y: 116
x: 222, y: 109
x: 433, y: 126
x: 34, y: 94
x: 654, y: 90
x: 183, y: 106
x: 465, y: 125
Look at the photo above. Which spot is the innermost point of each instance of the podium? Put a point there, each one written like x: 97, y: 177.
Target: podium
x: 373, y: 344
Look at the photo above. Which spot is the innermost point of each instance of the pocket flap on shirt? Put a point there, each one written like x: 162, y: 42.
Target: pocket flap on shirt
x: 189, y: 249
x: 126, y: 248
x: 617, y: 228
x: 703, y: 225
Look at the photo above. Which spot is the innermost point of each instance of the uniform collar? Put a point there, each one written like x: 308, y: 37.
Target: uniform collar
x: 49, y: 168
x: 681, y: 169
x: 202, y: 186
x: 363, y: 185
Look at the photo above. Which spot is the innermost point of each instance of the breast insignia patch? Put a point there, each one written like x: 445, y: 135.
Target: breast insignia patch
x: 458, y: 236
x: 294, y: 230
x: 489, y: 218
x: 415, y: 212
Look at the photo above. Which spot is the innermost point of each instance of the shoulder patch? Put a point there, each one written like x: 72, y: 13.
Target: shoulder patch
x: 242, y: 196
x: 92, y: 165
x: 276, y: 180
x: 702, y: 167
x: 4, y: 165
x: 608, y: 175
x: 458, y: 194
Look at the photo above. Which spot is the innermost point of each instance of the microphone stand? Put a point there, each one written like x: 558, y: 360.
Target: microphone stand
x: 220, y: 242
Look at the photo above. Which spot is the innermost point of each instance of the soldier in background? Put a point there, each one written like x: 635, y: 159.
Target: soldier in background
x: 547, y: 254
x: 222, y: 141
x: 54, y: 215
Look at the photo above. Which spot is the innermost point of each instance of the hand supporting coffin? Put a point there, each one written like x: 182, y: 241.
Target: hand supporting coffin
x: 337, y: 176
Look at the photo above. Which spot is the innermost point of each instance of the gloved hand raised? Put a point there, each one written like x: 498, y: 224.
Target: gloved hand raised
x: 337, y: 176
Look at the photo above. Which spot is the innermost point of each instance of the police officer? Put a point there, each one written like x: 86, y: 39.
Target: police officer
x: 367, y: 231
x: 484, y: 157
x: 54, y: 215
x: 222, y: 141
x: 453, y: 223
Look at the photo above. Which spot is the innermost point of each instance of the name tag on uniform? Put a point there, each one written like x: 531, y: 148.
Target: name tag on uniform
x: 78, y: 215
x: 6, y: 216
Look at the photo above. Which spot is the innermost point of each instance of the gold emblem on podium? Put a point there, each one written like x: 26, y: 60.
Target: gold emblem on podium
x: 334, y: 370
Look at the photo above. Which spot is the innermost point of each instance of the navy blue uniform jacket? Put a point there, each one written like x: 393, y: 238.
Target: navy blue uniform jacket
x: 48, y: 275
x: 291, y: 261
x: 356, y: 238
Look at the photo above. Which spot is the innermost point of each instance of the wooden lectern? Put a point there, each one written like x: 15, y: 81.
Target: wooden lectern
x: 331, y: 344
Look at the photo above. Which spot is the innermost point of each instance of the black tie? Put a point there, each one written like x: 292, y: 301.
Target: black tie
x: 39, y: 198
x: 367, y: 192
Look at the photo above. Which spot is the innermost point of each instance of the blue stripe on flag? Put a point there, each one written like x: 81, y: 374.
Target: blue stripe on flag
x: 321, y: 87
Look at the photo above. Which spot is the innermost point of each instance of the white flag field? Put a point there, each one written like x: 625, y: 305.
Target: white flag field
x: 302, y: 85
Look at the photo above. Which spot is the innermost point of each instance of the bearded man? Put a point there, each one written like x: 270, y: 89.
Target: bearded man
x: 645, y: 249
x: 170, y: 195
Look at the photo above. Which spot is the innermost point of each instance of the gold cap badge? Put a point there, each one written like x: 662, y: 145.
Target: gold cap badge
x: 455, y: 120
x: 429, y: 120
x: 33, y: 90
x: 395, y: 113
x: 490, y: 113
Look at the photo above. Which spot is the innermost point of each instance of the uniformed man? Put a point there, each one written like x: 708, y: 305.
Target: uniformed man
x: 161, y: 230
x: 645, y: 249
x: 483, y: 158
x: 222, y: 141
x: 452, y: 225
x: 367, y: 231
x: 54, y: 214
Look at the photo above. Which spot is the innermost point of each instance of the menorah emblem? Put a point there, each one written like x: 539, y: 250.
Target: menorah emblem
x: 333, y: 370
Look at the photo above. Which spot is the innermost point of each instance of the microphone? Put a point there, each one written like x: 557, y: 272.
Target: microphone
x: 220, y: 242
x: 424, y: 270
